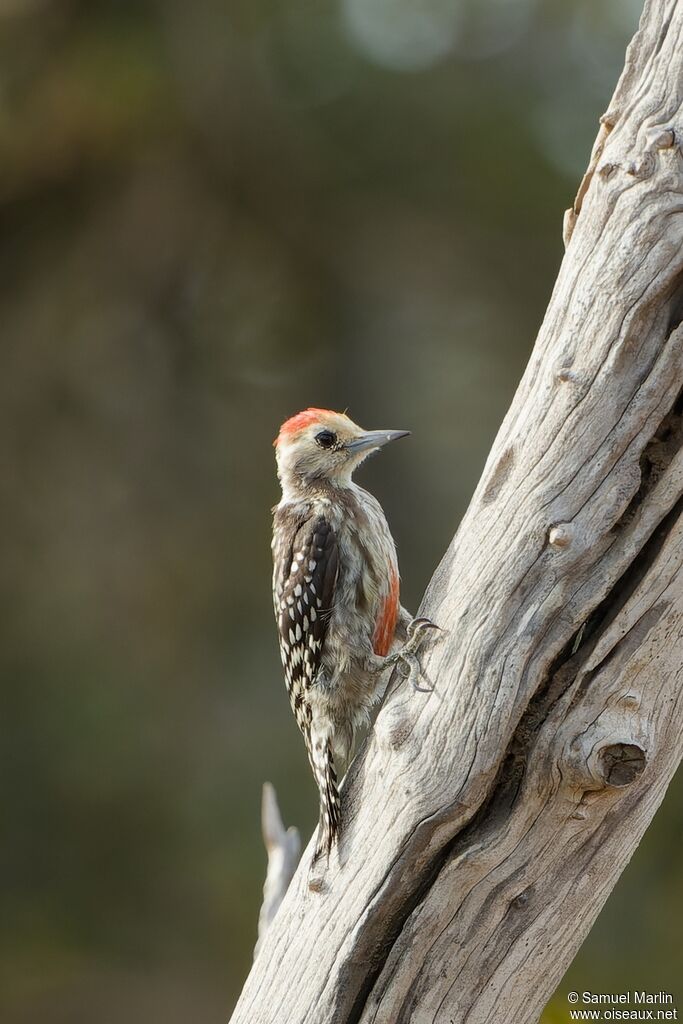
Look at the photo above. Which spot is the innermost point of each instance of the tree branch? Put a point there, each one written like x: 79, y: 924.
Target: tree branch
x: 283, y: 847
x: 486, y: 823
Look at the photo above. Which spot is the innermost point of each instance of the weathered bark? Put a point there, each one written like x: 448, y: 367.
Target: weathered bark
x: 486, y: 823
x: 283, y: 847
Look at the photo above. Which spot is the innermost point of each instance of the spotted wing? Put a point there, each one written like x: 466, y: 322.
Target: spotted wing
x: 306, y: 565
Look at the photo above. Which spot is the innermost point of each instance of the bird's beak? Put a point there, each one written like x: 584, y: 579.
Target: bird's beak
x: 374, y: 439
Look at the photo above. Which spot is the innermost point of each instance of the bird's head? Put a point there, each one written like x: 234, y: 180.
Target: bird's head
x: 318, y: 446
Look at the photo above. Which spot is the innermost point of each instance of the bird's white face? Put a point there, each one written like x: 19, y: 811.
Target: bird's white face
x: 325, y: 446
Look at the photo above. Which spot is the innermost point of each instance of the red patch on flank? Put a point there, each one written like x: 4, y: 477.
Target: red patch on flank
x: 299, y: 422
x: 386, y: 620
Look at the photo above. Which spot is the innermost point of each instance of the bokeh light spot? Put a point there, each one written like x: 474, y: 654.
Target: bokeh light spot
x: 400, y: 34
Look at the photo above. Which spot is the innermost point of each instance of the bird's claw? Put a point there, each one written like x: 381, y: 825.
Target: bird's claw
x: 419, y: 625
x: 409, y: 665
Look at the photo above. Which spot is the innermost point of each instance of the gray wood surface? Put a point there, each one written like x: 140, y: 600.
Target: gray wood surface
x: 485, y: 823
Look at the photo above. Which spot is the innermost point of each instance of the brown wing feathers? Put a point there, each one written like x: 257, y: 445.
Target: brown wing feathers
x: 306, y: 574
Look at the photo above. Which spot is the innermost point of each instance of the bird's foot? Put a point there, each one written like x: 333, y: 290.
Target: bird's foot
x: 406, y: 658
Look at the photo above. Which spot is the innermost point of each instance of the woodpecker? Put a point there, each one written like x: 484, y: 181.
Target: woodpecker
x: 336, y: 594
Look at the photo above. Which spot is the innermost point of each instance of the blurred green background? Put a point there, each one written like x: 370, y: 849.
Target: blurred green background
x: 211, y: 216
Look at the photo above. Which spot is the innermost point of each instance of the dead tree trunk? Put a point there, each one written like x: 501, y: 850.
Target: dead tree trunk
x: 486, y: 823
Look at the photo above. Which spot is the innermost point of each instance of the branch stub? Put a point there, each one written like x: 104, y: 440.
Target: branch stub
x: 622, y: 763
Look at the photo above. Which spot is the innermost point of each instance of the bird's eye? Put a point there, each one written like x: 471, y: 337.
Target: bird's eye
x: 326, y: 439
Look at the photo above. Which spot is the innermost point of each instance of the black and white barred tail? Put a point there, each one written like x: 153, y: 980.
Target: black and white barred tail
x: 322, y: 762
